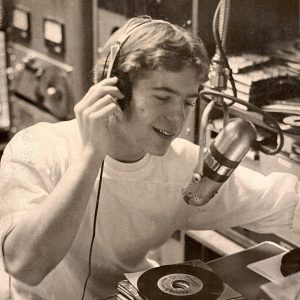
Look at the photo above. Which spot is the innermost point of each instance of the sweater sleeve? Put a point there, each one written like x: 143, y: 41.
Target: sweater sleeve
x: 26, y: 179
x: 265, y: 204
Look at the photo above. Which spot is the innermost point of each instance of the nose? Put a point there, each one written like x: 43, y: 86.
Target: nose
x: 177, y: 113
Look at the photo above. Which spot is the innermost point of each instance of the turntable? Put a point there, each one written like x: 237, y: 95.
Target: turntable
x: 190, y: 280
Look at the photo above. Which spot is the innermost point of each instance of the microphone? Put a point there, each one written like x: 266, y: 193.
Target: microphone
x: 219, y: 161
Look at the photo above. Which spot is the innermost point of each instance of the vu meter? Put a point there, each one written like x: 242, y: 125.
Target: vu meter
x: 21, y: 23
x: 54, y: 36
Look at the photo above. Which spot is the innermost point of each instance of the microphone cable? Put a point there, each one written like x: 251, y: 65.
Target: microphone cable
x: 94, y: 231
x: 272, y: 122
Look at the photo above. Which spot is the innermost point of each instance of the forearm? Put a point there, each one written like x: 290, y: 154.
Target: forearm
x: 42, y: 238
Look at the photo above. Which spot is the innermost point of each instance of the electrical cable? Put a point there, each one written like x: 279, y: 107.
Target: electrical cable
x: 220, y: 48
x: 129, y: 28
x: 94, y: 231
x: 223, y: 21
x: 255, y: 109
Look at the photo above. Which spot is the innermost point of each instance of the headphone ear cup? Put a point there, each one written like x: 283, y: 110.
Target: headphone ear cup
x: 125, y: 88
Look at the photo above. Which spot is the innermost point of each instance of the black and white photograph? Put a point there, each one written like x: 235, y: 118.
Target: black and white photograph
x: 149, y: 149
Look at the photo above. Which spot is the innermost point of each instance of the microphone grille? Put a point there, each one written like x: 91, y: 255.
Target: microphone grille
x: 199, y: 193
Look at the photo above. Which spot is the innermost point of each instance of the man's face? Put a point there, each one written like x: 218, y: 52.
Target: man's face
x: 160, y: 104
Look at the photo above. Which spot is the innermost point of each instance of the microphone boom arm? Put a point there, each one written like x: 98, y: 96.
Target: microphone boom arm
x: 254, y: 108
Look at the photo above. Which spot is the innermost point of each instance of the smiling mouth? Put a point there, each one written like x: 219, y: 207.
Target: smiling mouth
x: 164, y: 133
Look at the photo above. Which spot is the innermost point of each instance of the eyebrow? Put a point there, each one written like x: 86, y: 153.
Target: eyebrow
x: 169, y: 90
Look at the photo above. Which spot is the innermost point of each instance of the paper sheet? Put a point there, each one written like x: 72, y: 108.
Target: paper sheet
x: 269, y: 268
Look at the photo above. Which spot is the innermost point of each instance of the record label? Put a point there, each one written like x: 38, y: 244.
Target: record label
x: 180, y: 284
x: 172, y: 282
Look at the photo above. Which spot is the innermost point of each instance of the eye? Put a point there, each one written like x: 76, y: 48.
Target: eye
x: 190, y: 103
x: 162, y: 98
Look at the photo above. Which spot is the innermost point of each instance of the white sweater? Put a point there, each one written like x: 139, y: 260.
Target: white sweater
x: 140, y: 207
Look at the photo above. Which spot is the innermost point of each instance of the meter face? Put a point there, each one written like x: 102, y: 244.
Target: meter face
x: 53, y: 31
x: 20, y: 19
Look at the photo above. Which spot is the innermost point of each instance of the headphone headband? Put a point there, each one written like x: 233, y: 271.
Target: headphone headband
x: 132, y: 25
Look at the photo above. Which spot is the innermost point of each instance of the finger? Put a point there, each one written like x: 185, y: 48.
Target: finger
x: 105, y: 113
x: 92, y: 121
x: 112, y: 81
x: 108, y: 81
x: 102, y: 91
x: 95, y: 95
x: 101, y: 103
x: 84, y: 115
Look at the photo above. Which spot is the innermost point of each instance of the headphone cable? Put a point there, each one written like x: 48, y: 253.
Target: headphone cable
x: 147, y: 19
x: 94, y: 231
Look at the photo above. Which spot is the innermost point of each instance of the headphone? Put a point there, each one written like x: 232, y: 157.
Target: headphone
x: 124, y: 84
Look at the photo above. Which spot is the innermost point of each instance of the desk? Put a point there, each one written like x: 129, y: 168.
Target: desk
x: 233, y: 269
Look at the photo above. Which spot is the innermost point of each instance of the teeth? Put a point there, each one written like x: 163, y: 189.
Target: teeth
x: 165, y: 132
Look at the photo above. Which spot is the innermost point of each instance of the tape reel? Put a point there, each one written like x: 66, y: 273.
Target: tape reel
x: 53, y: 92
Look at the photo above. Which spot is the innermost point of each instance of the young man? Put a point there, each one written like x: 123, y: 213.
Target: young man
x: 128, y: 160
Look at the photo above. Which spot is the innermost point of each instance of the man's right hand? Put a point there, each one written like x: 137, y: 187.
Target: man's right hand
x: 94, y: 111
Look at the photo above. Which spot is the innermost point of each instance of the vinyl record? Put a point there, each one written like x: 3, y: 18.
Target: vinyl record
x: 292, y: 120
x: 179, y: 282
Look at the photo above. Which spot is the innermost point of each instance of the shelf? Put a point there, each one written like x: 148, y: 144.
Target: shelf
x: 257, y: 119
x: 215, y: 241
